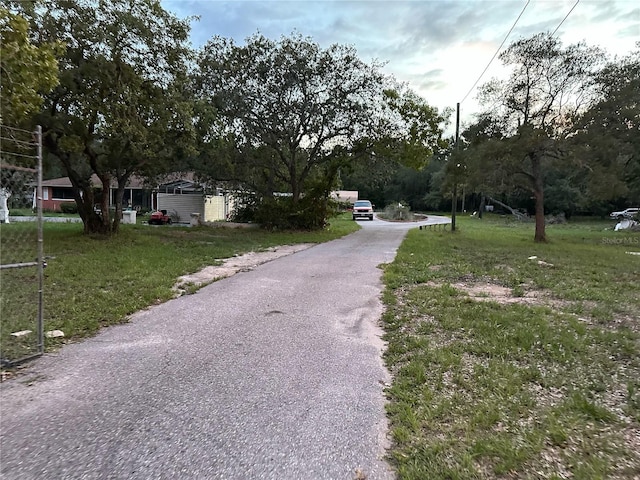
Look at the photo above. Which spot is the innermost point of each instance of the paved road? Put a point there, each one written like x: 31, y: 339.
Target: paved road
x: 274, y: 373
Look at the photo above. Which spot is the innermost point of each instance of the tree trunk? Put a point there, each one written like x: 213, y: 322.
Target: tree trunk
x: 538, y: 194
x: 82, y: 191
x: 515, y: 213
x: 85, y: 200
x: 122, y: 182
x: 105, y: 178
x: 93, y: 223
x: 293, y: 179
x: 295, y: 191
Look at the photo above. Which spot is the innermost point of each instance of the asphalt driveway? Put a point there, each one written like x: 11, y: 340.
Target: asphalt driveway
x: 274, y: 373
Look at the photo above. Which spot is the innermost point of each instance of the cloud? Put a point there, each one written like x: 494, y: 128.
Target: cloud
x: 440, y: 47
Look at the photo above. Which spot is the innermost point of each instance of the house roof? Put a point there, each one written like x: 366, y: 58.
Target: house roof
x: 169, y: 183
x: 57, y: 182
x: 175, y: 177
x: 180, y: 186
x: 134, y: 182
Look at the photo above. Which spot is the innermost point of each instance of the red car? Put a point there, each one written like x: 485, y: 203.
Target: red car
x: 160, y: 217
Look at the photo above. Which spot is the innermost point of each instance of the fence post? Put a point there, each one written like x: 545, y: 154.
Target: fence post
x: 38, y: 135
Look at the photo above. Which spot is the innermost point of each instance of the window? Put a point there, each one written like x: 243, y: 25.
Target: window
x: 62, y: 193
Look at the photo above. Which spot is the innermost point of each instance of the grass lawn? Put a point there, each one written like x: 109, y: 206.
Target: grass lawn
x: 509, y: 366
x: 94, y: 282
x: 505, y: 365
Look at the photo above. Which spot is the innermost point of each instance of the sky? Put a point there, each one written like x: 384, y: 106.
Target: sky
x: 439, y: 47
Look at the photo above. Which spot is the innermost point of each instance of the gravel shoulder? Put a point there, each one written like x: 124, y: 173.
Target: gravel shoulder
x: 233, y: 265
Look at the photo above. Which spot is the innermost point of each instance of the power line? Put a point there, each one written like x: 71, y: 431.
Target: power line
x: 507, y: 36
x: 495, y: 54
x: 565, y: 17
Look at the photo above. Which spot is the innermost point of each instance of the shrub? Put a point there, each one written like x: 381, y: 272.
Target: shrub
x: 21, y: 212
x: 281, y: 213
x: 342, y: 205
x: 245, y: 209
x: 69, y: 207
x: 397, y: 211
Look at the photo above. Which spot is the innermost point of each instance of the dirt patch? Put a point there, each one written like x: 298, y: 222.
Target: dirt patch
x: 526, y: 294
x: 231, y: 266
x: 490, y: 292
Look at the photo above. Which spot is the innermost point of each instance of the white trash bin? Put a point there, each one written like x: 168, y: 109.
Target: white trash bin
x: 129, y: 217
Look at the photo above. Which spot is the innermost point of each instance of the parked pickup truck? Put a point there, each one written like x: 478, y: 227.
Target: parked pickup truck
x: 362, y: 209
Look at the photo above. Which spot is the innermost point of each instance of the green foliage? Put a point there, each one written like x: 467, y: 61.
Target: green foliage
x: 606, y: 143
x: 397, y: 211
x: 420, y: 129
x: 282, y: 213
x: 562, y: 195
x: 294, y: 117
x: 290, y: 108
x: 520, y: 137
x: 245, y: 210
x: 26, y: 70
x: 131, y: 113
x: 372, y: 178
x: 68, y: 207
x: 589, y: 163
x: 384, y: 182
x: 270, y: 116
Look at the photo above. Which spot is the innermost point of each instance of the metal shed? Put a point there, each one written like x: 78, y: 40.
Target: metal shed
x: 182, y: 198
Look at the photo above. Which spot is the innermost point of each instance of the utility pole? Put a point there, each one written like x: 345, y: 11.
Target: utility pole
x: 455, y: 174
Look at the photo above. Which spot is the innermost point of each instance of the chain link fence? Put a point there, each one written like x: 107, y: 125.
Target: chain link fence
x: 21, y: 246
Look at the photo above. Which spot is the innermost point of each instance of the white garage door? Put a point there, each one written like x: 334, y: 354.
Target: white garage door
x: 181, y: 206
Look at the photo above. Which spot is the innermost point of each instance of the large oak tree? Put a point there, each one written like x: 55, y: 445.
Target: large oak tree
x: 120, y: 107
x: 533, y: 111
x: 294, y: 114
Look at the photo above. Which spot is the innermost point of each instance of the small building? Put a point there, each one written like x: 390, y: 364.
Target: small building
x: 184, y: 197
x: 345, y: 196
